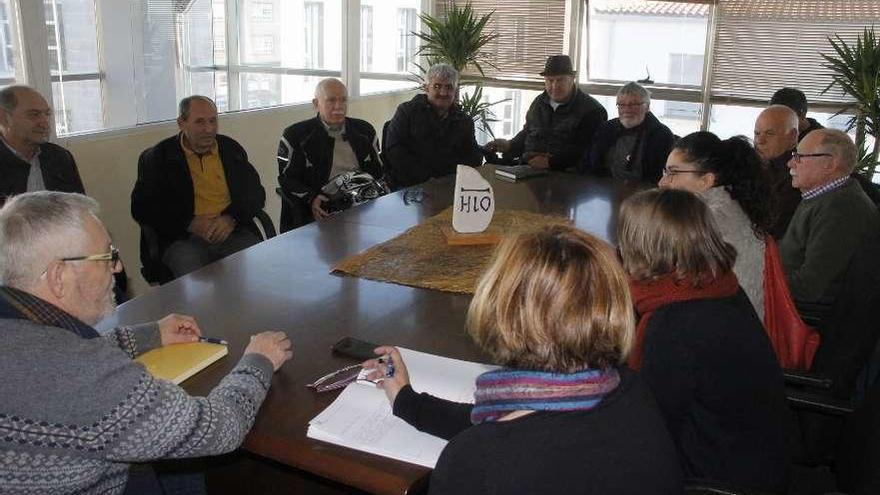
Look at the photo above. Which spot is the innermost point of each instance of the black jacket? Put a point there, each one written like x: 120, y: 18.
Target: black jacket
x: 648, y: 156
x: 786, y: 196
x: 58, y: 166
x: 163, y: 195
x: 565, y: 133
x: 619, y: 447
x: 420, y: 145
x: 305, y: 159
x: 721, y: 391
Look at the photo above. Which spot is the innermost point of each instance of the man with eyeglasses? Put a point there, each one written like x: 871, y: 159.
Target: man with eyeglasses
x: 560, y: 122
x: 776, y: 136
x: 634, y: 146
x: 831, y: 222
x: 75, y: 409
x: 429, y: 135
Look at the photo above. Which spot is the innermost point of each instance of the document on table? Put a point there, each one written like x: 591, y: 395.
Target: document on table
x: 361, y: 418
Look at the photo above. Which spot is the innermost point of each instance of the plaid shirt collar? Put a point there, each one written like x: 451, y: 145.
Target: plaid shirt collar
x: 836, y: 183
x: 16, y: 304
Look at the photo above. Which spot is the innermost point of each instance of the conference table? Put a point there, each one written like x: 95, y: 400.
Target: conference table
x: 285, y: 283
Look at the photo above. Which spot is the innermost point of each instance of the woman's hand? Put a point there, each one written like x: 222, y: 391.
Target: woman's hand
x: 390, y: 363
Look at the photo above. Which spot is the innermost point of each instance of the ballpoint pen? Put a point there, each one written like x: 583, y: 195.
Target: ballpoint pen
x: 213, y: 340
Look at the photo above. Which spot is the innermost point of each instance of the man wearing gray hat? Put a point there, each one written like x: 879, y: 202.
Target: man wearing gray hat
x: 559, y: 124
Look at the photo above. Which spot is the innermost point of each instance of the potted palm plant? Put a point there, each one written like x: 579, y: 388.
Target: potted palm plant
x: 458, y: 38
x: 855, y: 70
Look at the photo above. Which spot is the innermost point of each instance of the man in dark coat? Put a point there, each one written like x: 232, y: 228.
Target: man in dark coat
x: 429, y: 135
x: 198, y: 191
x: 28, y: 161
x: 314, y: 150
x: 776, y: 136
x: 796, y: 100
x: 559, y: 124
x: 634, y: 146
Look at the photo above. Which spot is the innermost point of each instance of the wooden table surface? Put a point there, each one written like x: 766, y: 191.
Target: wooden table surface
x: 285, y: 284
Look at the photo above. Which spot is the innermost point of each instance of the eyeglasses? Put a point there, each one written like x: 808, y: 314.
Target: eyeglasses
x: 673, y: 172
x: 440, y: 87
x: 112, y: 257
x: 630, y: 105
x: 339, y: 378
x: 798, y: 156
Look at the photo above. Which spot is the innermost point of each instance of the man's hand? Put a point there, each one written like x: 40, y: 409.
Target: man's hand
x: 274, y: 345
x: 221, y: 228
x: 501, y: 145
x: 317, y: 211
x: 540, y: 161
x: 201, y: 226
x: 178, y: 329
x: 390, y: 384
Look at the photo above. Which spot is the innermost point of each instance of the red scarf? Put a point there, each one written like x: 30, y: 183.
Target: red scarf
x: 651, y: 295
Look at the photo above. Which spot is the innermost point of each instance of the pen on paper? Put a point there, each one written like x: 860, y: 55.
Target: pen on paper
x: 213, y: 340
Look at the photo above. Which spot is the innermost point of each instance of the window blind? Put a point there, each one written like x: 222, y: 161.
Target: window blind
x: 764, y: 45
x: 529, y: 31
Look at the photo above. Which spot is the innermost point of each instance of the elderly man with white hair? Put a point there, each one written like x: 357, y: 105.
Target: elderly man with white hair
x: 75, y: 409
x: 429, y: 135
x: 634, y: 146
x: 776, y: 136
x: 831, y: 222
x: 313, y: 151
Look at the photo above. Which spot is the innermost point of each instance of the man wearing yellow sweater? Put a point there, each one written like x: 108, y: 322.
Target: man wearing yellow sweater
x: 198, y: 191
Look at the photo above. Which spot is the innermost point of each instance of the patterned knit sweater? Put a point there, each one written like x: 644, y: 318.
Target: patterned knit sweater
x: 74, y: 412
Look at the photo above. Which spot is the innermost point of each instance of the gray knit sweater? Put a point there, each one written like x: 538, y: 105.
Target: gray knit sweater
x: 736, y: 229
x: 75, y: 412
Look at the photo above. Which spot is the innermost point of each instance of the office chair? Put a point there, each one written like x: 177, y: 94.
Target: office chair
x: 156, y: 273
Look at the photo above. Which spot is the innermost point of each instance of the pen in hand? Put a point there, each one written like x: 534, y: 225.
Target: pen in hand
x: 389, y: 365
x: 213, y: 340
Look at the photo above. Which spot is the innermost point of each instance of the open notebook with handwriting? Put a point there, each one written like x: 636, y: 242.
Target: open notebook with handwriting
x: 361, y: 419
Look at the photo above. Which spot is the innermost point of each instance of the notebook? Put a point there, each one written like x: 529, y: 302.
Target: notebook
x: 178, y: 362
x: 516, y: 172
x: 361, y: 418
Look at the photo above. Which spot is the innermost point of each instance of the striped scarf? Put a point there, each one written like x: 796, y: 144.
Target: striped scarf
x: 505, y: 390
x: 19, y: 305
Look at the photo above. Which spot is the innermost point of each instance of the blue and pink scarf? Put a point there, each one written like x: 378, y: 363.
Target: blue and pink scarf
x: 503, y: 391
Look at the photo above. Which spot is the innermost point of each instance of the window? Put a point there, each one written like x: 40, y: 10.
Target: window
x: 314, y: 35
x: 387, y: 50
x: 687, y: 70
x: 629, y: 40
x: 8, y: 45
x: 366, y: 38
x: 263, y: 45
x: 262, y: 11
x: 73, y: 60
x: 406, y: 47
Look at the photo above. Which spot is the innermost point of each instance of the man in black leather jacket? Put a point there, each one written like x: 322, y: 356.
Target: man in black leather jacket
x: 315, y: 150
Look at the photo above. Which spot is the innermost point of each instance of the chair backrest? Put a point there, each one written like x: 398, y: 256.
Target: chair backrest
x: 850, y: 330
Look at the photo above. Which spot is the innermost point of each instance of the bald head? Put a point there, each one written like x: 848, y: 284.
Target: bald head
x: 25, y: 119
x: 331, y: 101
x: 776, y: 131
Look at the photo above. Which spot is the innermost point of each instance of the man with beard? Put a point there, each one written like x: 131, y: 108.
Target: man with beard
x: 634, y: 146
x: 776, y: 136
x: 75, y: 409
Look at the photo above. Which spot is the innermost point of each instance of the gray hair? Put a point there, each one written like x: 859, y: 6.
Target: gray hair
x: 321, y: 87
x: 183, y: 107
x: 37, y: 228
x: 839, y: 144
x: 442, y: 72
x: 9, y: 96
x: 789, y: 115
x: 634, y: 88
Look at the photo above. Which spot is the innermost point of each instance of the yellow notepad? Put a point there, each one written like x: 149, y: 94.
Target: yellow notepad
x: 178, y: 362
